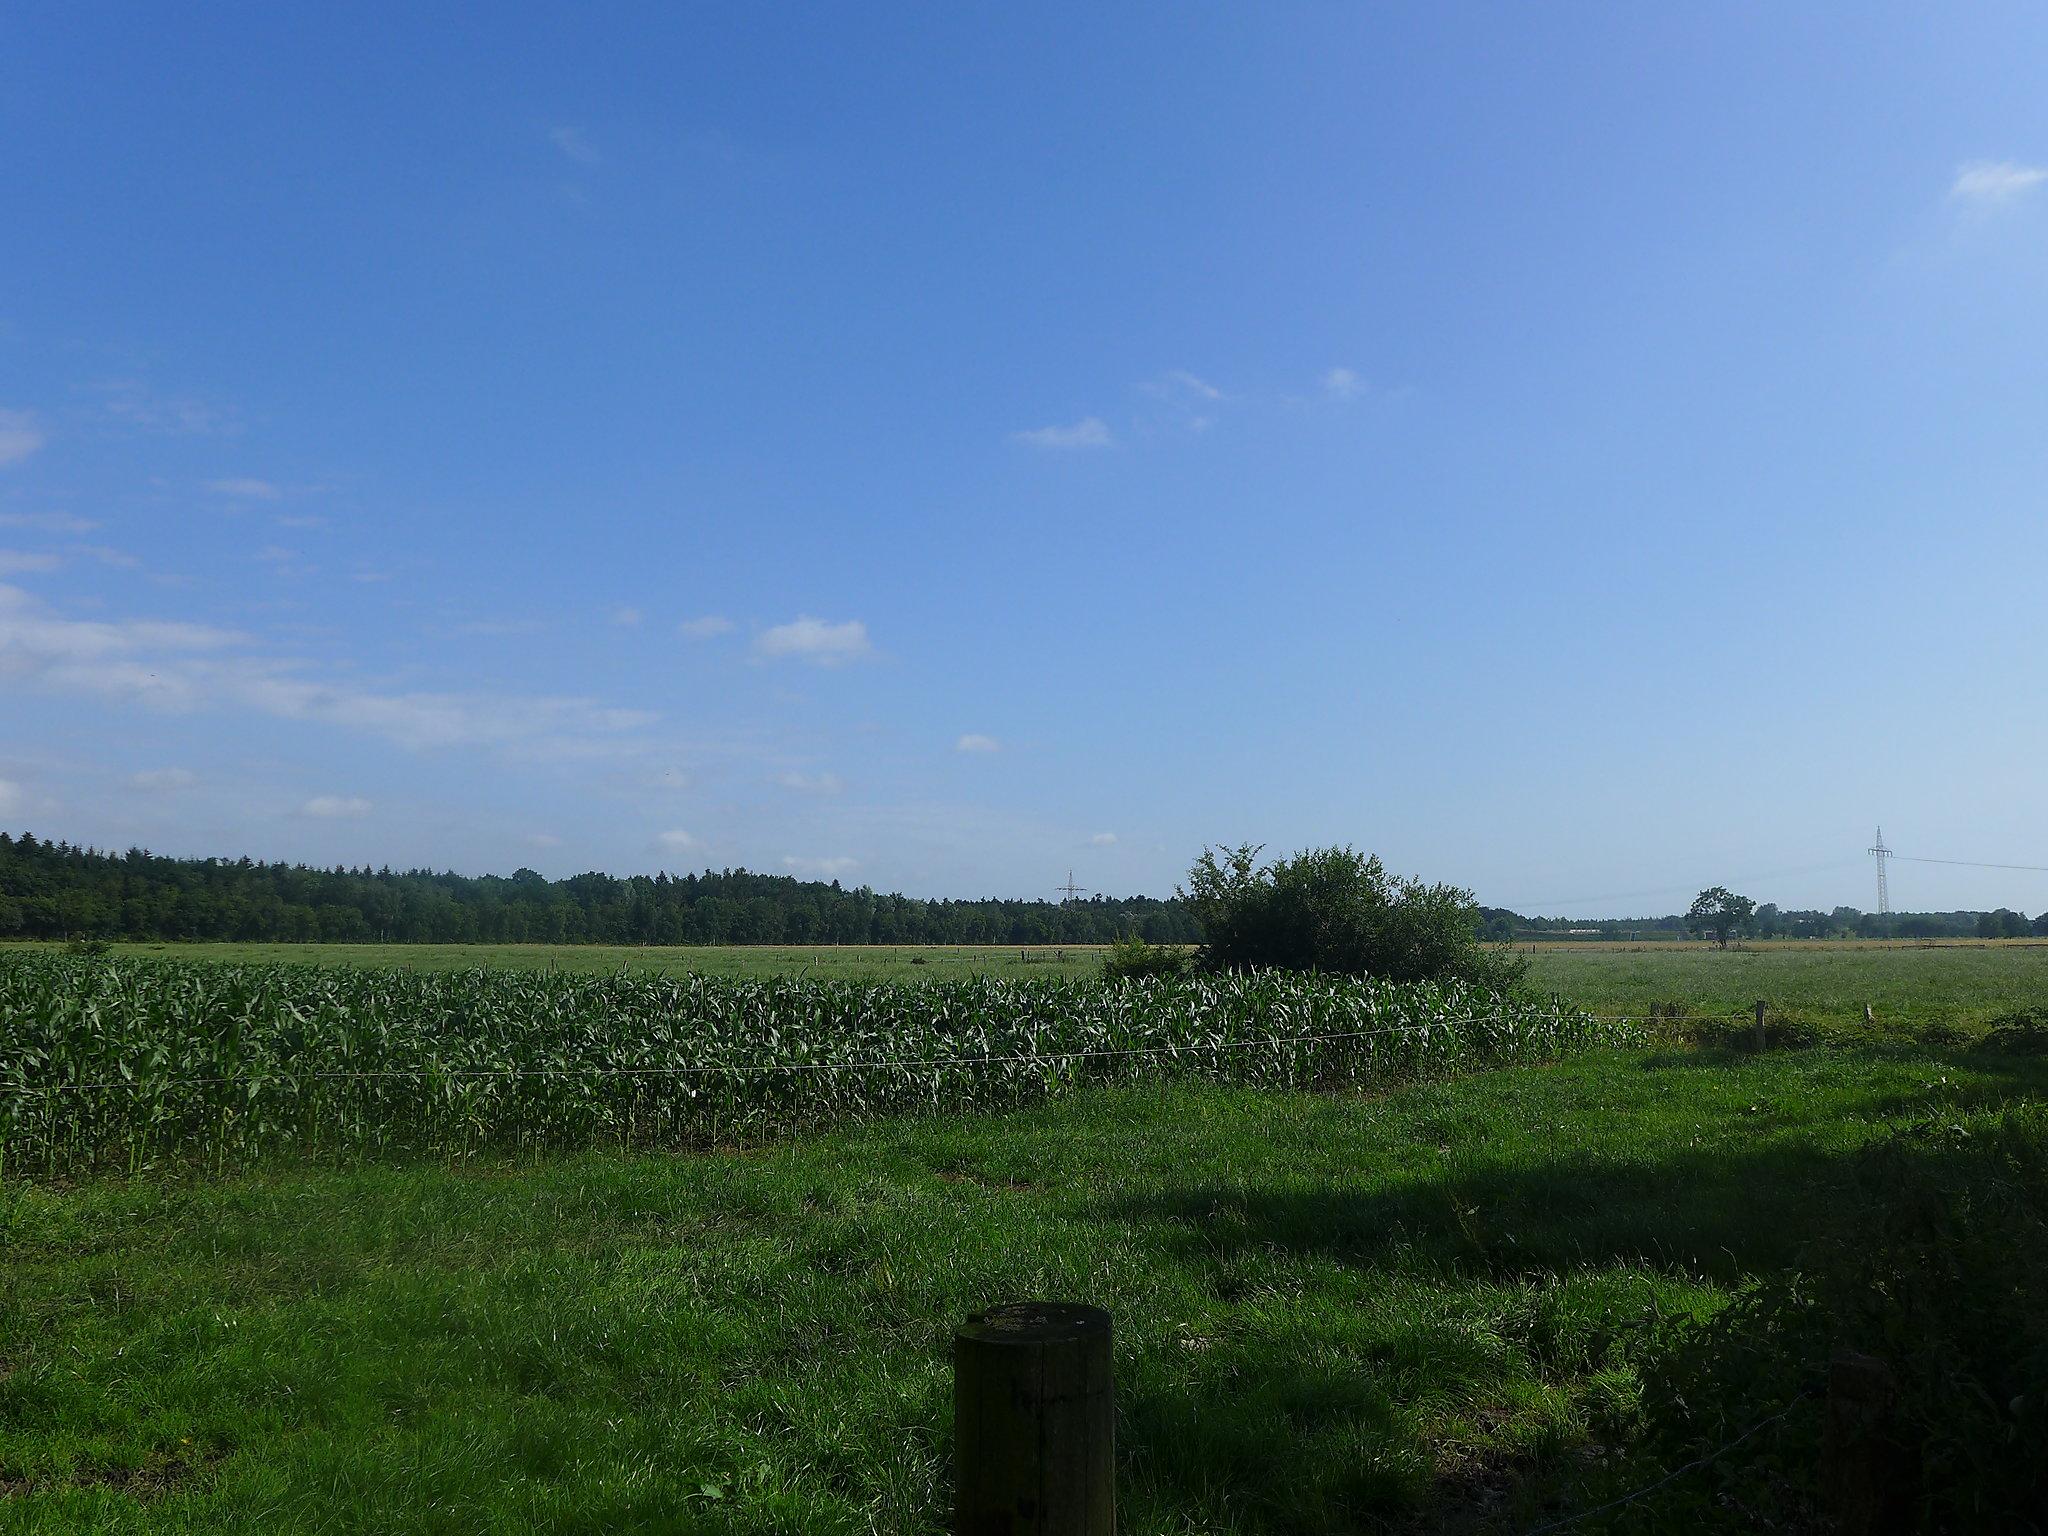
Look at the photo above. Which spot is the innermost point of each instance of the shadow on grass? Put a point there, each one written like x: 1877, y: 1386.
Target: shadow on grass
x: 1712, y: 1214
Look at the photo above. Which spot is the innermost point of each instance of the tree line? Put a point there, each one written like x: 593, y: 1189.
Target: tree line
x: 53, y: 890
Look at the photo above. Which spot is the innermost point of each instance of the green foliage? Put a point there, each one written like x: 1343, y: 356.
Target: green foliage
x: 2023, y: 1032
x: 135, y: 1062
x: 1935, y: 1262
x: 1340, y: 912
x: 1720, y: 912
x: 1131, y: 958
x: 50, y: 890
x: 88, y: 949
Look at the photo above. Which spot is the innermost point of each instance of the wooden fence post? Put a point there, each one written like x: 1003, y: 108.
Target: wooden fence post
x: 1760, y: 1024
x: 1034, y: 1422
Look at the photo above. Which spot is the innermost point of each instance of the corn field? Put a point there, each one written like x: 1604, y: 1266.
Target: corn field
x: 111, y: 1063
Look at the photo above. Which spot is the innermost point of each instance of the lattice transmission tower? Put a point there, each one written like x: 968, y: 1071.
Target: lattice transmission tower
x: 1072, y: 890
x: 1880, y: 853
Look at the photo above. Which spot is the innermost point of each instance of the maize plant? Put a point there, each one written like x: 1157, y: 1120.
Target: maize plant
x: 136, y: 1063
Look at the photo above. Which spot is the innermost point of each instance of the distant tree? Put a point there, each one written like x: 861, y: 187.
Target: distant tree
x: 1333, y: 909
x: 2041, y: 925
x: 1720, y: 912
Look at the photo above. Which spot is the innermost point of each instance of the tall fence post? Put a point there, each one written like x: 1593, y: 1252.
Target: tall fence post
x: 1034, y: 1422
x: 1760, y: 1024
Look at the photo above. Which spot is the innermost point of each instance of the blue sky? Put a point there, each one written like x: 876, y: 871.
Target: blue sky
x: 1580, y: 452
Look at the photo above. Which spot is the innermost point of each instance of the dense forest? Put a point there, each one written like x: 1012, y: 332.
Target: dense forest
x: 53, y: 890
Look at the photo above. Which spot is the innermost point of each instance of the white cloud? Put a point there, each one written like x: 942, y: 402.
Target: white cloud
x: 20, y: 436
x: 811, y: 783
x: 190, y: 666
x: 575, y: 143
x: 974, y: 741
x: 1342, y: 384
x: 11, y: 797
x: 106, y: 554
x: 134, y: 404
x: 301, y: 520
x: 1178, y: 382
x: 822, y: 869
x: 626, y: 618
x: 163, y: 780
x: 47, y: 522
x: 705, y: 628
x: 245, y: 487
x: 1995, y: 181
x: 1103, y: 839
x: 676, y: 840
x: 335, y: 807
x: 1089, y: 432
x: 815, y: 641
x: 19, y: 562
x: 542, y: 840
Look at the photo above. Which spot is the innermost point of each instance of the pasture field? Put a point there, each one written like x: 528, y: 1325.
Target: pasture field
x: 1960, y: 981
x: 1430, y: 1309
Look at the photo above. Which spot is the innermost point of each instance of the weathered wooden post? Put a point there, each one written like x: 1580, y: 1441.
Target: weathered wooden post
x: 1034, y: 1422
x: 1759, y: 1024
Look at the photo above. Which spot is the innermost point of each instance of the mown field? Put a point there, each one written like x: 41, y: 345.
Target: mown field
x: 1430, y: 1309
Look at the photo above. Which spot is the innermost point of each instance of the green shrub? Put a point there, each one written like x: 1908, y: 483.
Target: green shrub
x: 88, y: 949
x: 2023, y: 1032
x: 1338, y: 911
x: 1936, y: 1265
x: 1133, y: 957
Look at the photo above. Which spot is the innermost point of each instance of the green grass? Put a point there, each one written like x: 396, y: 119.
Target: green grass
x: 1962, y: 984
x: 1331, y: 1311
x: 1906, y: 984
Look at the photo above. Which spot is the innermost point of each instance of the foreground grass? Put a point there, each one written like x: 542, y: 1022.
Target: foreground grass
x: 1332, y: 1314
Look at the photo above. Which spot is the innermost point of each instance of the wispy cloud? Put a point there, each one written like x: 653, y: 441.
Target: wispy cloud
x: 974, y: 741
x: 47, y: 522
x: 821, y: 869
x: 1341, y: 384
x: 1995, y: 181
x: 105, y: 554
x: 575, y: 143
x: 816, y: 641
x: 1089, y: 432
x: 177, y: 666
x: 1180, y: 401
x: 626, y: 618
x: 1102, y: 839
x: 20, y: 436
x: 300, y: 520
x: 245, y: 488
x: 22, y: 562
x: 163, y: 780
x: 811, y: 783
x: 708, y: 627
x: 132, y: 403
x: 542, y: 840
x: 11, y: 797
x: 335, y: 807
x: 675, y: 840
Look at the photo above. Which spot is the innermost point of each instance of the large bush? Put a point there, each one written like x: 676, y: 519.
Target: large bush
x: 1336, y: 910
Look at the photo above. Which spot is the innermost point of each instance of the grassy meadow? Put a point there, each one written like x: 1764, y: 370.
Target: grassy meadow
x: 1423, y: 1310
x: 1960, y: 981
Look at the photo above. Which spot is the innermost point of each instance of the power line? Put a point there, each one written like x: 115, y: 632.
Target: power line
x: 2039, y: 869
